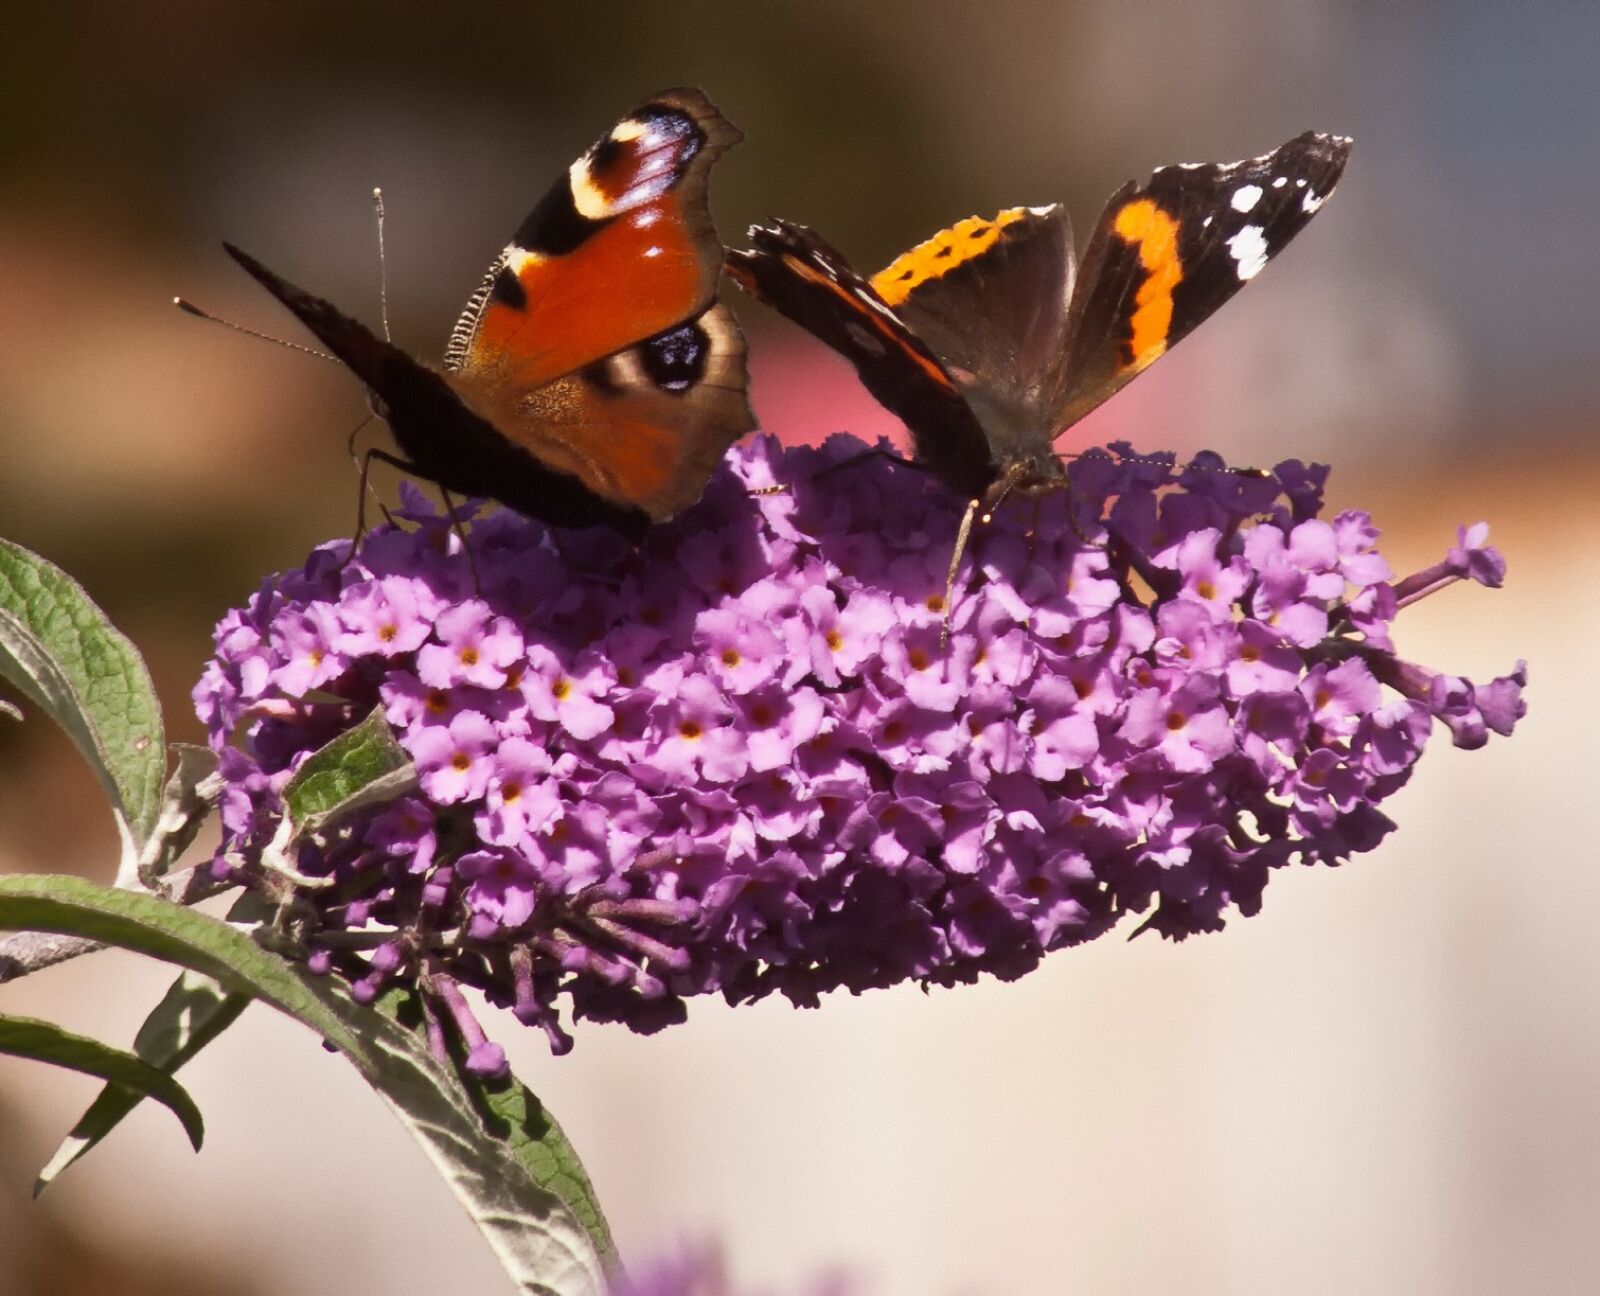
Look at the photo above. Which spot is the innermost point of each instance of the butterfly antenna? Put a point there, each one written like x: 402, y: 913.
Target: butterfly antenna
x: 383, y: 266
x: 184, y: 304
x: 1062, y: 456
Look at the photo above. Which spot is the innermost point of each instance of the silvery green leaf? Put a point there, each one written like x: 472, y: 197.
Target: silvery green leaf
x: 194, y: 1011
x: 43, y: 1041
x: 59, y: 649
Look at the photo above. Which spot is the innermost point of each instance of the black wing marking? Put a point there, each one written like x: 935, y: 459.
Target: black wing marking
x: 798, y: 274
x: 1163, y: 257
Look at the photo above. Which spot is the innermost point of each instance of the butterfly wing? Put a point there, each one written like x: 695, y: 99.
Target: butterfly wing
x: 445, y: 440
x: 989, y: 298
x: 620, y: 249
x: 802, y: 277
x: 1164, y: 256
x: 643, y: 427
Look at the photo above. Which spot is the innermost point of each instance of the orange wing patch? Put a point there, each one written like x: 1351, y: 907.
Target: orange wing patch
x: 631, y: 432
x: 559, y: 322
x: 940, y: 254
x: 1155, y: 234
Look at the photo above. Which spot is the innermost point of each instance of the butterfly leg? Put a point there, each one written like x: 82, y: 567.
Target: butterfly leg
x: 363, y: 465
x: 466, y: 545
x: 1033, y: 527
x: 410, y: 469
x: 394, y: 461
x: 1066, y: 486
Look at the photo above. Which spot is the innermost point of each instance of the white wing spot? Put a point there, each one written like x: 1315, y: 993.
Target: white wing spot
x: 1300, y: 182
x: 1311, y: 200
x: 517, y: 259
x: 870, y: 300
x: 1249, y: 250
x: 1245, y: 197
x: 587, y: 196
x: 1280, y: 182
x: 1206, y: 223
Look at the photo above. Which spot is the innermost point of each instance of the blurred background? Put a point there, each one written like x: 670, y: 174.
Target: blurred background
x: 1389, y: 1081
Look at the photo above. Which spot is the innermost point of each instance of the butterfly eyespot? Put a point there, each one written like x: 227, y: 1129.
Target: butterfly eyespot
x: 675, y: 360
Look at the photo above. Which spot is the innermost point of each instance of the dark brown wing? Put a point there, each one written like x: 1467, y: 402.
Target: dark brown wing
x: 989, y: 298
x: 798, y: 274
x: 1164, y: 256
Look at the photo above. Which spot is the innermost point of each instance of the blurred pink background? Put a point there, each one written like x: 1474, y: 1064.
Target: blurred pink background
x: 1387, y: 1082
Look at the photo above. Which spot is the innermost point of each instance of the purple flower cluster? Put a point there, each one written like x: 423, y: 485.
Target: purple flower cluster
x: 760, y: 754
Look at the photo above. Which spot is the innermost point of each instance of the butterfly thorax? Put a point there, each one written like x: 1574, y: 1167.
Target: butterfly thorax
x: 1019, y: 446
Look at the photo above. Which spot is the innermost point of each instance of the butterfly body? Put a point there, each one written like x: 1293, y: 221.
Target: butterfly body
x: 989, y: 340
x: 592, y: 379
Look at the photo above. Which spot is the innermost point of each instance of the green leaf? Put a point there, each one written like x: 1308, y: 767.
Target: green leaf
x: 194, y: 1011
x: 519, y: 1190
x: 362, y: 766
x: 540, y: 1145
x: 163, y: 930
x: 532, y: 1227
x: 43, y: 1042
x: 58, y: 648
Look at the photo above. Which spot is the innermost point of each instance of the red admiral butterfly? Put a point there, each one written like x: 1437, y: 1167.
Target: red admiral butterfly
x: 988, y: 342
x: 592, y: 378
